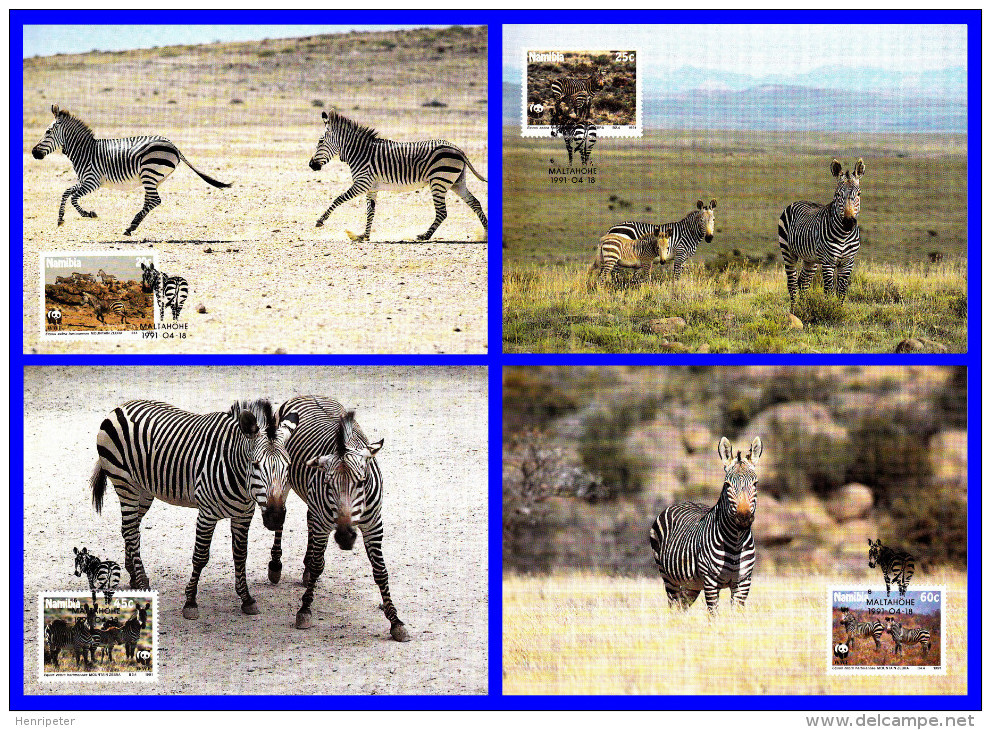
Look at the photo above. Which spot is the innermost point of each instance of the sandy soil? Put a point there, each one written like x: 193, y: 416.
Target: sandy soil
x: 435, y: 468
x: 250, y: 114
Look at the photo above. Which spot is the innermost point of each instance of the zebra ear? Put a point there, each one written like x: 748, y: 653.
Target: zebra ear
x: 375, y: 447
x: 836, y: 168
x: 756, y: 449
x: 699, y: 204
x: 325, y: 116
x: 725, y: 451
x: 75, y: 550
x: 248, y: 424
x: 55, y: 109
x: 712, y: 203
x: 286, y: 427
x: 318, y: 462
x: 860, y: 168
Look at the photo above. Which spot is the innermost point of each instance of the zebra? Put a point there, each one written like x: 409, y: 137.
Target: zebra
x: 639, y: 254
x: 76, y: 276
x: 685, y: 234
x: 106, y: 278
x: 576, y: 93
x: 855, y: 628
x: 103, y: 575
x: 708, y: 549
x: 58, y: 635
x: 170, y: 291
x: 84, y: 638
x: 896, y: 565
x: 223, y: 464
x: 334, y: 471
x: 101, y: 307
x: 811, y: 235
x: 54, y: 318
x: 382, y: 164
x: 64, y: 279
x: 131, y: 633
x: 122, y: 163
x: 578, y: 136
x: 901, y: 635
x: 109, y: 635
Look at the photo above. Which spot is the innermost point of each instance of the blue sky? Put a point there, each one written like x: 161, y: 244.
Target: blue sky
x: 47, y: 40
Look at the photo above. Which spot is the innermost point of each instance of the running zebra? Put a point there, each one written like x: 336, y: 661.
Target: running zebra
x: 122, y: 163
x: 131, y: 633
x: 901, y: 635
x: 578, y: 137
x: 222, y: 464
x: 382, y: 164
x: 576, y: 94
x: 812, y: 235
x: 686, y: 234
x: 855, y: 628
x: 54, y: 318
x: 700, y: 548
x: 58, y: 635
x: 103, y: 575
x: 636, y: 254
x: 170, y: 291
x: 101, y: 307
x: 334, y: 471
x: 896, y: 565
x: 84, y: 637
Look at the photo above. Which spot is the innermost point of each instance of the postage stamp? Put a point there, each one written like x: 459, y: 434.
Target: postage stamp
x: 115, y: 639
x: 875, y: 632
x: 598, y: 91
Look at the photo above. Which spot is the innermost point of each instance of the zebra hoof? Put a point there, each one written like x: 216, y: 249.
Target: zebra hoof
x: 91, y: 214
x: 251, y: 609
x: 190, y: 611
x: 127, y: 232
x: 274, y: 574
x: 423, y: 237
x: 319, y: 224
x: 399, y: 632
x: 60, y: 223
x: 304, y: 620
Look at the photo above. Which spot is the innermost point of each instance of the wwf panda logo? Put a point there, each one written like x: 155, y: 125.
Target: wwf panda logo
x: 54, y: 317
x: 841, y: 652
x: 143, y: 656
x: 536, y: 109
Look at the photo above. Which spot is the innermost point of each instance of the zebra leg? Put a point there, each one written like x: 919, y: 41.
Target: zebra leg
x: 84, y: 188
x: 740, y: 591
x: 205, y: 525
x: 567, y: 144
x: 152, y: 201
x: 843, y: 278
x: 461, y: 188
x: 369, y: 215
x: 239, y: 545
x: 679, y: 263
x: 275, y: 564
x: 439, y: 192
x: 372, y: 537
x: 791, y: 273
x: 805, y: 278
x: 316, y: 546
x: 352, y: 192
x: 131, y: 514
x: 711, y: 596
x: 887, y: 584
x: 828, y: 275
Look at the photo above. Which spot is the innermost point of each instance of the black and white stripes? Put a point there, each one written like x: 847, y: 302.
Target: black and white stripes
x: 897, y: 566
x: 573, y: 95
x: 903, y: 636
x: 170, y: 291
x: 103, y: 575
x: 854, y: 629
x: 685, y: 234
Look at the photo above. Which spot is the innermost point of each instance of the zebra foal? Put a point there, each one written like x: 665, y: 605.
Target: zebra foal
x: 698, y: 548
x: 686, y: 234
x: 125, y: 163
x: 636, y: 254
x: 573, y: 96
x: 811, y: 235
x: 382, y: 164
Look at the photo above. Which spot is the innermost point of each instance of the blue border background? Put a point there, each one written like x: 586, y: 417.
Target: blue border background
x: 495, y: 361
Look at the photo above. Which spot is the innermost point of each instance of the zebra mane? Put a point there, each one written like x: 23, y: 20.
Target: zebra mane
x: 261, y: 409
x: 74, y: 123
x: 339, y: 122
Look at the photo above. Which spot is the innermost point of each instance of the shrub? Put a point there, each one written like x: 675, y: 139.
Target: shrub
x: 814, y: 307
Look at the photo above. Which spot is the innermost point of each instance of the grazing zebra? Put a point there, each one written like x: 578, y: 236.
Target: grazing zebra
x: 54, y: 318
x: 222, y: 464
x: 685, y: 235
x: 84, y: 638
x: 897, y: 565
x: 812, y: 235
x: 707, y: 549
x: 170, y: 291
x: 101, y: 307
x: 901, y: 635
x: 334, y: 471
x: 103, y: 575
x: 122, y: 163
x: 578, y: 136
x: 855, y: 628
x: 58, y: 635
x: 131, y: 633
x: 105, y: 277
x: 64, y: 279
x: 382, y: 164
x: 636, y: 254
x: 109, y: 636
x: 576, y: 93
x: 76, y: 276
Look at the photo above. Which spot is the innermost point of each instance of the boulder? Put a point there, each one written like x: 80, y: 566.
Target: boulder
x: 850, y: 502
x: 664, y: 326
x: 910, y: 345
x: 794, y: 323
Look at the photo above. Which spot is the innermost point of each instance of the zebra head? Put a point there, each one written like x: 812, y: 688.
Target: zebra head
x: 873, y: 553
x: 54, y: 139
x: 846, y: 199
x: 707, y: 219
x: 739, y: 495
x: 268, y: 465
x: 83, y: 560
x: 338, y: 133
x: 895, y: 628
x: 345, y: 474
x: 149, y: 278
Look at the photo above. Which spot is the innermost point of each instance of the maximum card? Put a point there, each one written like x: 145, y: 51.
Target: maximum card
x: 106, y: 639
x: 874, y: 632
x: 600, y: 88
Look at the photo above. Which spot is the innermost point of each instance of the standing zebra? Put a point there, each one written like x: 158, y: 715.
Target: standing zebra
x: 106, y: 278
x: 58, y: 635
x: 122, y: 163
x: 54, y: 318
x: 101, y: 307
x: 64, y: 279
x: 685, y: 235
x: 222, y: 464
x: 103, y: 575
x: 855, y: 628
x: 812, y: 235
x: 131, y: 633
x: 707, y: 549
x: 382, y: 164
x: 84, y: 638
x: 109, y: 636
x: 636, y: 254
x: 901, y: 635
x: 578, y: 137
x: 576, y: 94
x: 170, y: 291
x: 334, y: 471
x: 896, y: 565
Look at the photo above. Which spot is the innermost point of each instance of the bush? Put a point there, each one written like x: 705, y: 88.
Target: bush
x: 814, y: 307
x: 603, y: 445
x: 532, y: 397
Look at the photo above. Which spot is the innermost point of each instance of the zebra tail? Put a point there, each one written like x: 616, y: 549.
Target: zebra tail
x: 472, y: 168
x: 207, y: 178
x: 98, y: 484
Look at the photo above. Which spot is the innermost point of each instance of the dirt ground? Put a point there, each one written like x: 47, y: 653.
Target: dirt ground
x: 249, y: 114
x: 434, y: 465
